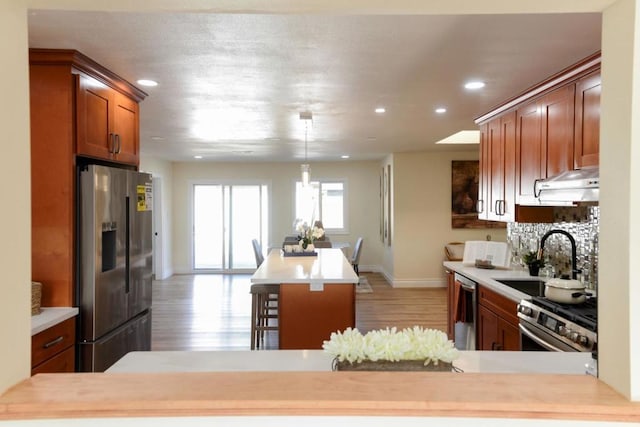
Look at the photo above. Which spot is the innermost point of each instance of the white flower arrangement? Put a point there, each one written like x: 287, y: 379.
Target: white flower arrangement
x: 307, y: 234
x: 417, y: 343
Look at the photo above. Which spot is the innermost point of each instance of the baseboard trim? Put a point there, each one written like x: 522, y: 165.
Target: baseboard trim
x: 412, y: 283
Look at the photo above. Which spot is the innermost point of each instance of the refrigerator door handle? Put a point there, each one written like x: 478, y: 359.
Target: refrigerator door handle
x: 127, y: 244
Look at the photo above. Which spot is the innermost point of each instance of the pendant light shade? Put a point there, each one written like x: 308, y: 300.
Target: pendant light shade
x: 304, y: 168
x: 306, y: 174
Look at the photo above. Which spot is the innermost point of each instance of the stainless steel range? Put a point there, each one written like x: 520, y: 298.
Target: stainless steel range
x: 551, y: 326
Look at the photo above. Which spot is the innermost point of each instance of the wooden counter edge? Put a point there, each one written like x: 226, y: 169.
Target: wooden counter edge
x: 428, y: 394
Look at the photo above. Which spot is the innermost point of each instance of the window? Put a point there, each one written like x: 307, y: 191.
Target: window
x: 226, y: 217
x: 324, y: 201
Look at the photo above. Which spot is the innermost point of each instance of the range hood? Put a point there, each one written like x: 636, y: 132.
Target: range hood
x: 569, y: 188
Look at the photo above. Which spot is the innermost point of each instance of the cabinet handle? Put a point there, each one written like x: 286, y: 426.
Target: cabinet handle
x: 502, y: 207
x: 480, y: 206
x: 536, y: 192
x: 119, y: 144
x: 54, y: 342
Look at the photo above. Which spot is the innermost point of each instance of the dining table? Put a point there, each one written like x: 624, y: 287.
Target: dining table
x: 316, y: 298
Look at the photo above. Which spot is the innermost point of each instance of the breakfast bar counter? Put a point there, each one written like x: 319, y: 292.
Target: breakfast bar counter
x: 317, y: 296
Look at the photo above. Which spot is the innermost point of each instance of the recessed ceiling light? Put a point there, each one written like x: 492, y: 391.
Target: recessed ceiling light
x: 441, y: 110
x: 476, y: 84
x: 380, y: 110
x: 197, y: 157
x: 147, y: 82
x: 345, y: 156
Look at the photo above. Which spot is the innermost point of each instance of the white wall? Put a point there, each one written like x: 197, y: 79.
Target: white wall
x: 620, y: 372
x: 163, y: 170
x: 362, y: 187
x: 15, y: 192
x: 422, y: 216
x: 618, y: 314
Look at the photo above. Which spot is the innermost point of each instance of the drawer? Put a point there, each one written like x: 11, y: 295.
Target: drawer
x: 52, y: 341
x: 500, y: 305
x: 61, y: 362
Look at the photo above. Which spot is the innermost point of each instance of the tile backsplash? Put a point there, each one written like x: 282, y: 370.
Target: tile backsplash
x: 581, y: 222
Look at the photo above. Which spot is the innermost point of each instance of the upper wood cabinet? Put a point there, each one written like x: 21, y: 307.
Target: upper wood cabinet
x: 549, y: 129
x: 75, y: 104
x: 107, y: 122
x: 587, y: 114
x: 500, y: 164
x: 544, y: 143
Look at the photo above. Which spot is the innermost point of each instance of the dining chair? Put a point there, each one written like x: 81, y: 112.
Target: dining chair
x: 264, y: 304
x: 355, y: 257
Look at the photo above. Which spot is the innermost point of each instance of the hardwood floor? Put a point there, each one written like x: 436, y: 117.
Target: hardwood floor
x: 213, y: 311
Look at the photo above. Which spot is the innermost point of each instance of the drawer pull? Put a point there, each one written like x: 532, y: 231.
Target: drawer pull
x: 54, y: 342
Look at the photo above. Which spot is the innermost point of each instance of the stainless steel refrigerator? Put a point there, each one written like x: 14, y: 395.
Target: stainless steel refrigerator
x: 114, y: 250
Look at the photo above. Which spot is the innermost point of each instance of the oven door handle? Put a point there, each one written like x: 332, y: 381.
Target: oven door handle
x: 537, y: 339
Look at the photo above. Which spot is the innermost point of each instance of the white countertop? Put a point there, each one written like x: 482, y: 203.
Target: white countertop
x: 329, y: 266
x: 529, y: 362
x: 486, y: 277
x: 51, y: 316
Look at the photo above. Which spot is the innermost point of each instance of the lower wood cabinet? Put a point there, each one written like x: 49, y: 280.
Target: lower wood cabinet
x: 53, y: 349
x: 497, y: 322
x: 450, y: 297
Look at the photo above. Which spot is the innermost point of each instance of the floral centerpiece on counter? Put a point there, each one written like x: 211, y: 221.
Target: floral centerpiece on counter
x: 411, y: 349
x: 307, y: 234
x: 532, y: 261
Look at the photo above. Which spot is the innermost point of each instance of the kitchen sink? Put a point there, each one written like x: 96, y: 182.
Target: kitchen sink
x: 531, y: 287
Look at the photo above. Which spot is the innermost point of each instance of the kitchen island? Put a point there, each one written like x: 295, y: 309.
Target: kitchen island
x: 317, y: 295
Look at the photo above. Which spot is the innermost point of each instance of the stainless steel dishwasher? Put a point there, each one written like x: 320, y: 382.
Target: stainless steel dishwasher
x: 465, y: 313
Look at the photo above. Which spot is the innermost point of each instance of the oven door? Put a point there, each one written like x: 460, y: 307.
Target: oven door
x: 533, y: 338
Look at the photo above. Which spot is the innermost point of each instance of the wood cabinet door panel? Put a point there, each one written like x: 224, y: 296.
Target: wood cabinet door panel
x: 558, y: 129
x: 528, y: 150
x: 487, y: 329
x: 94, y: 117
x: 508, y: 136
x: 125, y: 127
x: 587, y: 118
x: 508, y: 335
x: 450, y: 297
x: 496, y: 170
x: 483, y: 183
x: 63, y: 362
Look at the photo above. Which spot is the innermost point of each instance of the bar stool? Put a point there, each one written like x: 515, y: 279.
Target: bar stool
x: 264, y: 306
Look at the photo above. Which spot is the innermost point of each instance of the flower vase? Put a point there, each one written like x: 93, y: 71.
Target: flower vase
x: 310, y: 248
x: 534, y: 269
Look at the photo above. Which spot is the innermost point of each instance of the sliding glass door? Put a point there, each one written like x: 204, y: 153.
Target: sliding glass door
x: 226, y: 217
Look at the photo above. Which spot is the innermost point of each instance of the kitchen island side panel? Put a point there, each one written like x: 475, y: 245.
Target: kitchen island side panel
x: 307, y: 318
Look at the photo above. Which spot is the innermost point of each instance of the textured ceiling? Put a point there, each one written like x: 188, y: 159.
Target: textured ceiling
x: 231, y: 86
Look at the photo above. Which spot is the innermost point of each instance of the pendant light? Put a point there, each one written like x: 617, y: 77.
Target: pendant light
x: 304, y: 168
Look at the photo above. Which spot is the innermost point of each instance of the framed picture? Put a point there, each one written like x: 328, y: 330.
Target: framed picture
x: 465, y: 179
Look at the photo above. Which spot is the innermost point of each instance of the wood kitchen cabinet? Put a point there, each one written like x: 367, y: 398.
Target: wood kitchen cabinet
x: 544, y: 140
x: 497, y: 323
x: 106, y: 122
x: 53, y: 349
x: 500, y: 165
x: 557, y: 128
x: 74, y: 104
x: 587, y: 125
x: 450, y: 299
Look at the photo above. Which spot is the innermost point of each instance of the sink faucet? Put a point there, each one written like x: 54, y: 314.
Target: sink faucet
x: 574, y: 266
